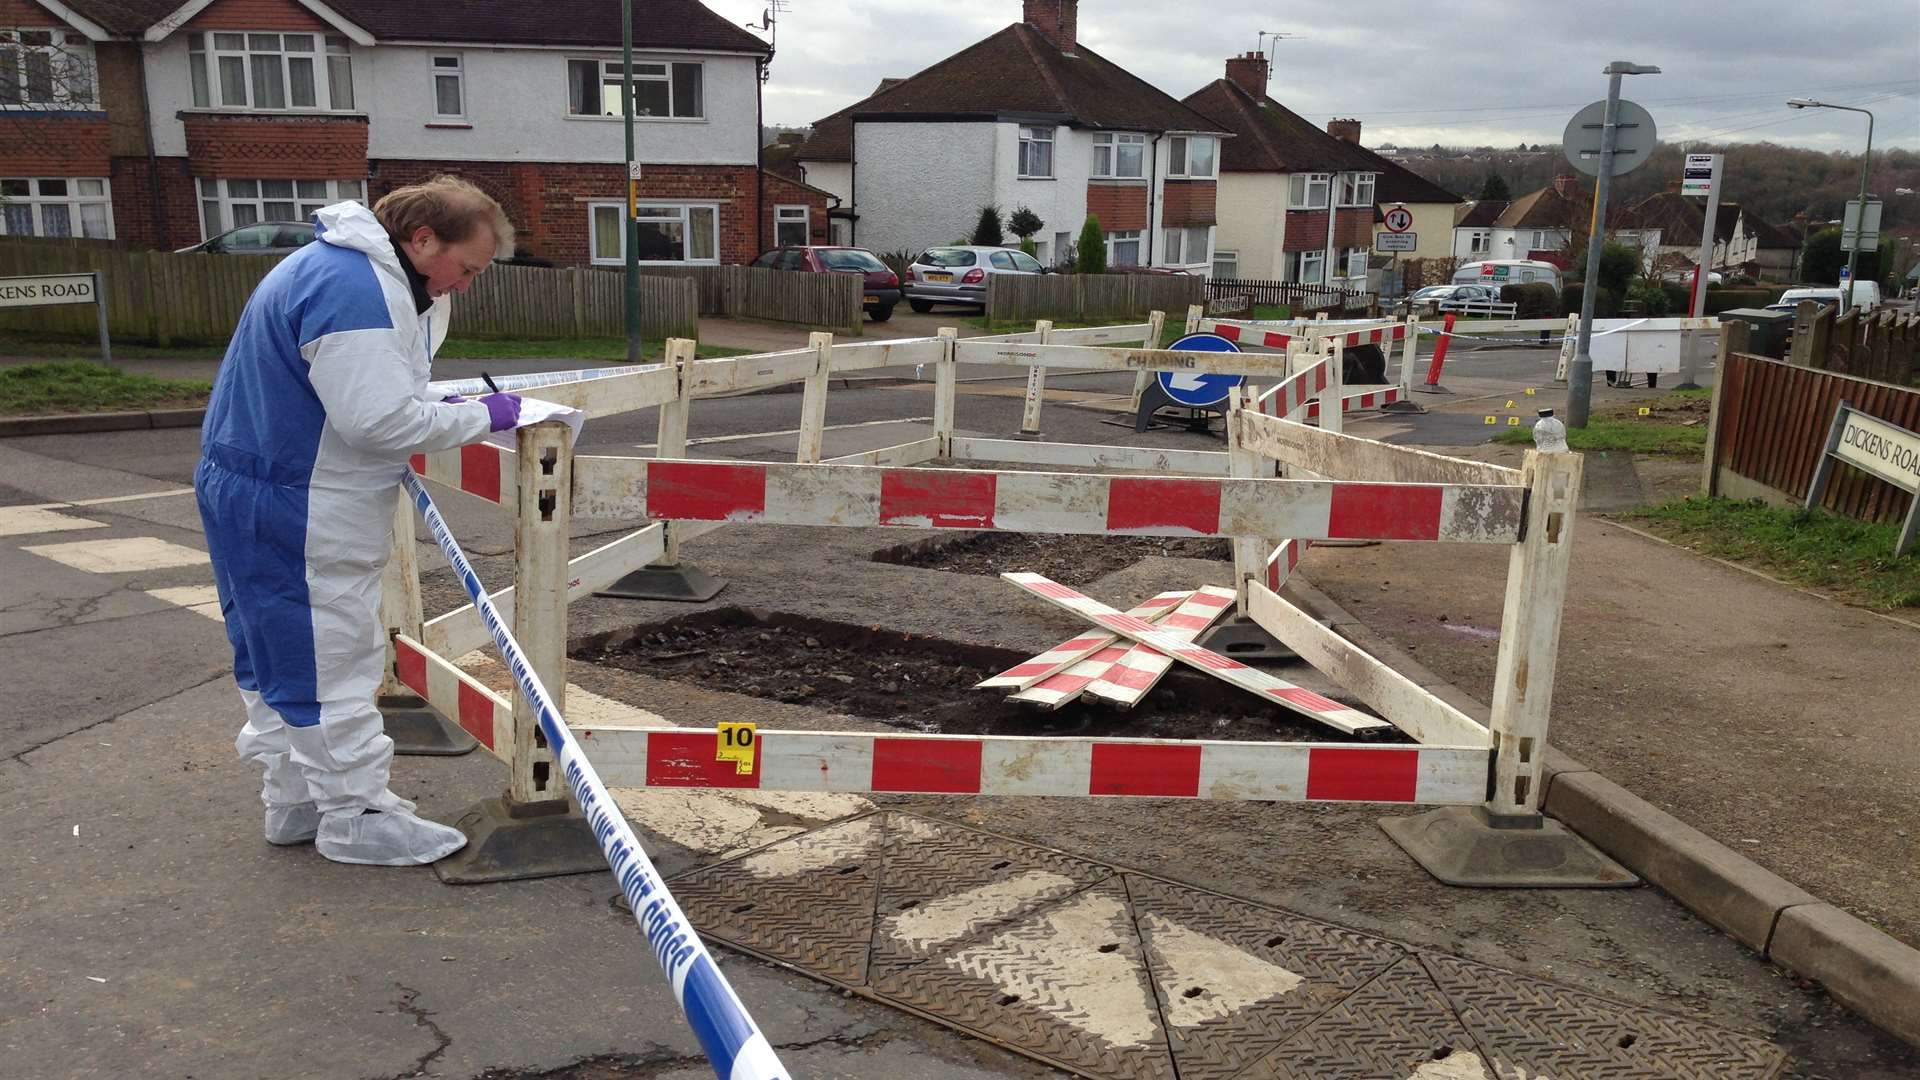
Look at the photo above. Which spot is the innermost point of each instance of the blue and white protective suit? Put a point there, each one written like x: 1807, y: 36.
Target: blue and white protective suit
x: 319, y: 402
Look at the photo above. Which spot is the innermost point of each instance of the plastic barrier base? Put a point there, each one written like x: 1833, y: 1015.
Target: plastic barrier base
x: 1242, y: 639
x: 1403, y: 406
x: 1465, y: 846
x: 418, y: 731
x: 683, y: 584
x: 516, y: 841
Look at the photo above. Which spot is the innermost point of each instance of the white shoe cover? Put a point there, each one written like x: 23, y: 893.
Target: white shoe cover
x: 296, y: 824
x: 391, y: 838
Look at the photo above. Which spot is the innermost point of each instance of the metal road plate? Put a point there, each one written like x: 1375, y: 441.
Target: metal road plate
x: 1113, y: 974
x: 1531, y: 1027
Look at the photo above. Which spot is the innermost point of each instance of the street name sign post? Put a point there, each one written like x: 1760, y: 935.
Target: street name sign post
x: 52, y: 290
x: 1877, y: 448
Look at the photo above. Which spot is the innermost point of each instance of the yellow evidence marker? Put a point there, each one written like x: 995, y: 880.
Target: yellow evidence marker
x: 736, y: 742
x: 1531, y: 391
x: 1513, y: 421
x: 1644, y: 411
x: 1510, y: 404
x: 1492, y: 420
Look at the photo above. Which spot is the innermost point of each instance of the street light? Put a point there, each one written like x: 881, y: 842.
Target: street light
x: 1866, y: 164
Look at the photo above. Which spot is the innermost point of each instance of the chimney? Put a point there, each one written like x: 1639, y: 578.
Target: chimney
x: 1249, y: 73
x: 1345, y: 130
x: 1567, y: 185
x: 1057, y: 20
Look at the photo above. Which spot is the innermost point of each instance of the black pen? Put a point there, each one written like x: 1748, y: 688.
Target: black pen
x: 488, y: 379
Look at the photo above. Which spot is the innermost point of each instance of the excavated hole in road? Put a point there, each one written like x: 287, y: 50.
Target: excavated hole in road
x: 924, y: 684
x: 1070, y: 560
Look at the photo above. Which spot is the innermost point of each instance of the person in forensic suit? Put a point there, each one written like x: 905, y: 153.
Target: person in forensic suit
x: 320, y: 400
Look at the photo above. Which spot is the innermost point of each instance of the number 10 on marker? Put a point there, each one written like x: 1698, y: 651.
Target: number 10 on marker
x: 736, y: 743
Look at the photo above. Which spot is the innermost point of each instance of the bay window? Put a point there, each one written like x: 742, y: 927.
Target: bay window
x: 1308, y: 191
x: 1036, y: 153
x: 1353, y: 262
x: 1307, y: 267
x: 1119, y: 156
x: 1190, y: 156
x: 1187, y: 247
x: 46, y: 69
x: 56, y: 206
x: 1356, y: 189
x: 229, y: 204
x: 669, y: 233
x: 271, y: 72
x: 661, y: 90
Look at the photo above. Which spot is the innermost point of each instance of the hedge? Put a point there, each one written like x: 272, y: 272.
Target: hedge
x: 1605, y: 304
x: 1534, y: 300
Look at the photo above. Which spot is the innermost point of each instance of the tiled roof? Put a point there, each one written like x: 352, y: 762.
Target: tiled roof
x: 677, y: 24
x: 1479, y: 214
x: 1542, y: 209
x: 1773, y: 236
x: 1678, y: 216
x: 1016, y: 72
x: 1397, y: 183
x: 1269, y: 137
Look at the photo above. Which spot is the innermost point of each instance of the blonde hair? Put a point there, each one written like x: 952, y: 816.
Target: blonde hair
x: 448, y: 205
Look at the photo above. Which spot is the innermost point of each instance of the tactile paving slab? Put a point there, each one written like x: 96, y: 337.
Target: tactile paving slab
x: 1123, y: 976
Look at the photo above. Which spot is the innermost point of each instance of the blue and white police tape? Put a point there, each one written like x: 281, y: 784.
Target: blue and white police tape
x: 734, y: 1044
x: 512, y: 384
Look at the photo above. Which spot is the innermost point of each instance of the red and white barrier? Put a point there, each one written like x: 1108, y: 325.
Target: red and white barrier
x: 481, y: 469
x: 454, y: 694
x: 1070, y: 652
x: 1130, y: 678
x: 866, y: 763
x: 1257, y: 336
x: 1066, y: 503
x: 1280, y: 564
x: 1069, y: 683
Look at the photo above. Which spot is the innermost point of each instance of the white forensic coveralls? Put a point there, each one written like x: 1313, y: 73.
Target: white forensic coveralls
x: 318, y: 404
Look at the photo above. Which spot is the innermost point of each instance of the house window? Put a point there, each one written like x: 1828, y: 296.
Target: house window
x: 1119, y: 157
x: 660, y: 90
x: 1036, y: 153
x: 1123, y: 248
x: 45, y: 68
x: 1187, y: 247
x: 229, y: 204
x: 449, y: 88
x: 1308, y: 191
x: 1354, y: 262
x: 56, y: 206
x: 790, y: 226
x: 1307, y: 267
x: 669, y: 233
x: 1546, y: 240
x: 1226, y: 265
x: 1356, y: 189
x: 274, y: 72
x: 1190, y: 156
x: 1479, y: 243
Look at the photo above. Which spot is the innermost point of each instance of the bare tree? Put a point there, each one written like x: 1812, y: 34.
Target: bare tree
x: 43, y: 72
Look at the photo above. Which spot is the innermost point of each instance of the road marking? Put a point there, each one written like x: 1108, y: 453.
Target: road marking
x: 199, y: 599
x: 1054, y: 964
x: 22, y: 520
x: 795, y: 431
x: 1229, y: 978
x: 952, y: 917
x: 120, y: 556
x: 845, y: 842
x: 1460, y: 1065
x: 105, y: 499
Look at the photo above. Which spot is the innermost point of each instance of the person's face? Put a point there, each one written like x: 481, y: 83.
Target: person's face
x: 450, y: 267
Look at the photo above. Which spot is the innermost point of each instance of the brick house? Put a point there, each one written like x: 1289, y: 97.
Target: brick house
x: 163, y: 123
x: 1296, y: 203
x: 1026, y: 117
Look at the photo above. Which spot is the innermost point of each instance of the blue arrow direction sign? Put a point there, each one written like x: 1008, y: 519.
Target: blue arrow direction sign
x: 1192, y: 388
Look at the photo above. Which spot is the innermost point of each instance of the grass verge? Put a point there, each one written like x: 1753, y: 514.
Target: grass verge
x: 73, y: 386
x: 1853, y: 560
x: 1675, y: 425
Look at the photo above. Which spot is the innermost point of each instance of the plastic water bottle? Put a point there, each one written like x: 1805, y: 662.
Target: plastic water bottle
x: 1549, y: 434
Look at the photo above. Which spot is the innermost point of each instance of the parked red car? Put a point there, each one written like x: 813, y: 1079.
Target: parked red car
x: 882, y: 290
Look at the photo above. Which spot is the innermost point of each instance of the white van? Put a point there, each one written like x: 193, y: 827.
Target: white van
x: 1498, y: 272
x: 1866, y: 296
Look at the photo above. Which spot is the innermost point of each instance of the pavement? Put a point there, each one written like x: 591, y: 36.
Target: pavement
x: 158, y: 936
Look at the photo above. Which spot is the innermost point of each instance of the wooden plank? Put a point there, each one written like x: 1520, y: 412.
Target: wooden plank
x: 1403, y: 702
x: 740, y: 374
x: 459, y: 631
x: 1346, y: 457
x: 1109, y: 358
x: 863, y: 356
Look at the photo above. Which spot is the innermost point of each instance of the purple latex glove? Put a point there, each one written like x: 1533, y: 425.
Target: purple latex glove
x: 503, y: 409
x: 452, y: 399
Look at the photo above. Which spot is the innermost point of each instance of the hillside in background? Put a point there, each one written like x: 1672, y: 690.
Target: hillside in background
x: 1774, y: 181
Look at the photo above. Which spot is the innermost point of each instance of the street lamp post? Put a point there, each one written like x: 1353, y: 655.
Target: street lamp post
x: 1860, y: 220
x: 1580, y: 375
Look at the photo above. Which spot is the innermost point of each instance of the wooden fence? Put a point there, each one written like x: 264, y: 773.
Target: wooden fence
x: 1300, y: 299
x: 822, y: 301
x: 1026, y: 297
x: 1770, y: 423
x: 164, y: 298
x: 1880, y: 344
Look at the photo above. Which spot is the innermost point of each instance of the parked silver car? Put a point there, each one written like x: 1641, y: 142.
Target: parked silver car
x: 958, y: 275
x: 1438, y: 298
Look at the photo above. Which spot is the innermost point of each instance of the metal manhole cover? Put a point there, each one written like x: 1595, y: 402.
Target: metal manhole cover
x: 1398, y: 1025
x: 1236, y: 980
x: 1529, y: 1027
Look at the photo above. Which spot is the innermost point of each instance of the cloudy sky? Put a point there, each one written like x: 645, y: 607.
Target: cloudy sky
x: 1468, y: 72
